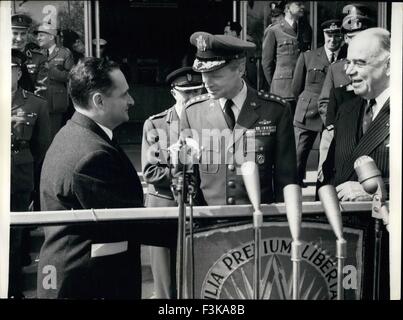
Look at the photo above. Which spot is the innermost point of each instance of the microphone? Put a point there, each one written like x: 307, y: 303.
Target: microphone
x: 371, y: 180
x: 293, y: 203
x: 369, y: 176
x: 250, y: 175
x: 330, y: 202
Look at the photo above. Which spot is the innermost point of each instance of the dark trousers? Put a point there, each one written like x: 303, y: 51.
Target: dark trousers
x: 304, y: 140
x: 18, y: 246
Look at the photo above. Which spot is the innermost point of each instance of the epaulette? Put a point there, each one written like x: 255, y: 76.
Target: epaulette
x: 159, y: 115
x: 200, y: 98
x: 26, y: 93
x: 270, y: 97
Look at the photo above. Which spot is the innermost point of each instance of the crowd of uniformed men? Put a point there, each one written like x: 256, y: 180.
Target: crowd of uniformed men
x: 339, y: 91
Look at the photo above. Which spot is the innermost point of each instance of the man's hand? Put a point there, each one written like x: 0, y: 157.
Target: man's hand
x: 352, y: 191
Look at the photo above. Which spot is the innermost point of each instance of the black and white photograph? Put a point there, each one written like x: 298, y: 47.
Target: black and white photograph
x: 202, y: 150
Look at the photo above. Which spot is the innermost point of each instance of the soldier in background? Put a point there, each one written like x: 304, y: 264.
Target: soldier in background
x: 59, y: 62
x: 282, y: 44
x: 159, y: 133
x: 35, y: 61
x: 30, y: 140
x: 310, y: 72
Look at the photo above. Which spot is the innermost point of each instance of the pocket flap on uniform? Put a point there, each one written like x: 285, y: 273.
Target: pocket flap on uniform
x: 283, y: 74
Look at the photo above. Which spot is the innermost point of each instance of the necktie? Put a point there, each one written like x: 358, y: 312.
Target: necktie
x: 368, y: 114
x: 295, y: 27
x: 332, y: 57
x: 229, y: 114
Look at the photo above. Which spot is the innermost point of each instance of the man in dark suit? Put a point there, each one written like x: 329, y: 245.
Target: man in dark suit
x: 159, y: 133
x: 362, y: 124
x: 59, y: 62
x: 282, y: 44
x: 234, y: 123
x: 85, y: 168
x: 309, y: 75
x: 356, y: 20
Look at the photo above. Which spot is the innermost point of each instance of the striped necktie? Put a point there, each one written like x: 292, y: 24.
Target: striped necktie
x: 368, y: 114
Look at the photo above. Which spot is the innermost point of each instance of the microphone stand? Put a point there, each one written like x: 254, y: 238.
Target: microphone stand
x: 184, y: 190
x: 257, y: 224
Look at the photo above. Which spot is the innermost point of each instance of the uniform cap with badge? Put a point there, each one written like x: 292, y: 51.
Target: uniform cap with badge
x: 46, y: 28
x: 216, y: 51
x: 332, y: 26
x: 357, y: 18
x: 20, y: 21
x: 185, y: 79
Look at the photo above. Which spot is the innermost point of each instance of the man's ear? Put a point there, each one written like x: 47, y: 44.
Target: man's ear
x: 388, y: 67
x: 97, y: 100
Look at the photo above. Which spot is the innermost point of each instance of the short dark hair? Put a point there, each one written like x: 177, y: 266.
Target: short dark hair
x: 89, y: 75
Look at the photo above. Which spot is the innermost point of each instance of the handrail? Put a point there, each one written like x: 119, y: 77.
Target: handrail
x: 97, y: 215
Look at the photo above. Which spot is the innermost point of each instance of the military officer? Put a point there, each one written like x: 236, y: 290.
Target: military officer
x: 282, y: 44
x: 309, y: 75
x: 35, y: 61
x: 29, y: 142
x: 356, y: 20
x: 59, y: 62
x: 234, y: 123
x: 159, y: 132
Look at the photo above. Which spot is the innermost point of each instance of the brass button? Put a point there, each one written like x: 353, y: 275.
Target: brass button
x: 231, y: 200
x: 231, y: 184
x: 231, y: 167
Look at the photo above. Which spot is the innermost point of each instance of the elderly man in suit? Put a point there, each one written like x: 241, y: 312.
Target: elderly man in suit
x: 282, y: 44
x: 310, y: 72
x: 159, y: 132
x: 85, y: 168
x: 234, y: 123
x: 59, y: 62
x: 362, y: 124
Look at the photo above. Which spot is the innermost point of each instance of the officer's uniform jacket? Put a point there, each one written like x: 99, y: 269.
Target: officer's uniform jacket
x: 35, y: 64
x: 30, y: 139
x: 263, y: 133
x: 309, y: 75
x: 60, y: 61
x: 336, y: 77
x: 159, y: 132
x: 280, y: 50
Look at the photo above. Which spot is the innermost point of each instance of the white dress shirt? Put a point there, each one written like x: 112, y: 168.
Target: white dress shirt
x: 329, y: 54
x: 380, y: 101
x: 238, y: 101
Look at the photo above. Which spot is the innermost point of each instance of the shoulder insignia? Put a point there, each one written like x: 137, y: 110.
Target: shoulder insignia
x: 197, y: 99
x: 159, y: 115
x: 271, y: 97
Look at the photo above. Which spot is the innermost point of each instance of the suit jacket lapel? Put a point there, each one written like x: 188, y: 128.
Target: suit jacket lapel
x: 90, y: 124
x: 347, y: 136
x: 247, y: 117
x: 322, y: 55
x: 376, y: 134
x: 54, y: 53
x: 287, y: 28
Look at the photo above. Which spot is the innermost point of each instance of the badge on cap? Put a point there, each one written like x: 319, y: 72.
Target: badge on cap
x: 260, y: 159
x: 201, y: 43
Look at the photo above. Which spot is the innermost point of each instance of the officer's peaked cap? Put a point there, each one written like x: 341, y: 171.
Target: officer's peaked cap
x: 216, y: 51
x: 185, y: 79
